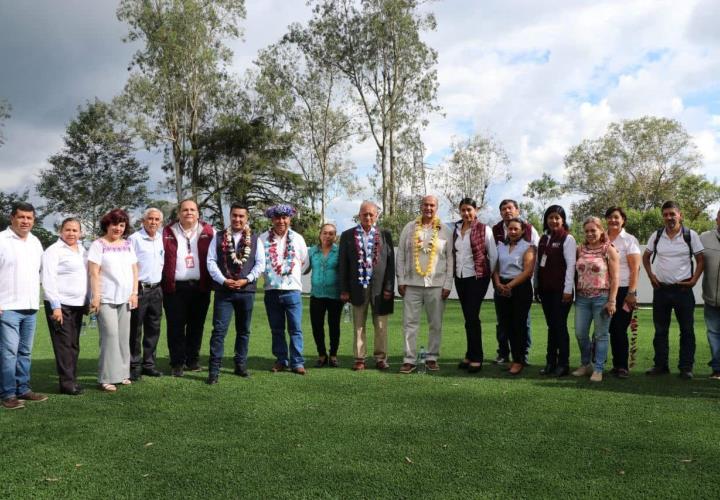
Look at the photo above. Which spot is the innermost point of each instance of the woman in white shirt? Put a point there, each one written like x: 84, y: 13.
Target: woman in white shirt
x: 628, y: 250
x: 65, y: 284
x: 113, y: 281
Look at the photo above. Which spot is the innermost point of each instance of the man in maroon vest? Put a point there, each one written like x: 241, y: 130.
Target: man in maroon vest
x: 186, y: 286
x: 235, y: 264
x: 508, y: 210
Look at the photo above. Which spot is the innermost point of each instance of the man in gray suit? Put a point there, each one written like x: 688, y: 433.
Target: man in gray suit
x: 367, y: 278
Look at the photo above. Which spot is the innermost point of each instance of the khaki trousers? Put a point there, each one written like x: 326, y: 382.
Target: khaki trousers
x: 416, y: 298
x: 379, y: 326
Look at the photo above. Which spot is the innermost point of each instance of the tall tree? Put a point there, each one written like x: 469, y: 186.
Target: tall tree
x: 5, y: 109
x: 474, y: 164
x: 544, y: 190
x: 310, y: 98
x: 179, y: 75
x: 637, y: 163
x: 376, y: 44
x: 95, y: 171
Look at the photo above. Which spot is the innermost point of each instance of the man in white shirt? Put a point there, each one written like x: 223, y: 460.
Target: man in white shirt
x: 424, y: 275
x: 20, y: 258
x: 186, y: 286
x: 668, y: 261
x: 285, y: 257
x: 711, y: 293
x: 145, y: 318
x: 235, y: 262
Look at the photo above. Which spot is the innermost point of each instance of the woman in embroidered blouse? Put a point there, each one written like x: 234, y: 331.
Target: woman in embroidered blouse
x: 475, y: 258
x: 596, y: 292
x: 65, y: 284
x: 554, y: 275
x: 325, y: 295
x: 113, y: 281
x: 513, y: 289
x: 628, y: 250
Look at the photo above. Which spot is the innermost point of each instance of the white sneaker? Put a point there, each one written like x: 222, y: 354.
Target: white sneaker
x: 596, y: 376
x: 582, y: 371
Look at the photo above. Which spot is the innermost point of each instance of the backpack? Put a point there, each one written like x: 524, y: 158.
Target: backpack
x: 686, y: 237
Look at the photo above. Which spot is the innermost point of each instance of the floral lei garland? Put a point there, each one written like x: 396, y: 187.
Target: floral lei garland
x: 229, y: 243
x: 272, y: 264
x: 366, y: 263
x: 431, y: 248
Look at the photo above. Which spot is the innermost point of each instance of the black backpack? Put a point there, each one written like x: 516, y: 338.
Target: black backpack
x: 686, y: 237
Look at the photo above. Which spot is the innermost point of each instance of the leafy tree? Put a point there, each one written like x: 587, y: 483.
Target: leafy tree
x: 179, y: 75
x: 474, y: 164
x: 376, y: 45
x: 310, y: 97
x: 544, y: 191
x: 96, y: 169
x: 5, y: 109
x: 637, y: 164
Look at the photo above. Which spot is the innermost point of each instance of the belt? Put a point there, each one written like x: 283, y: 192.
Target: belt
x: 148, y: 286
x: 188, y: 283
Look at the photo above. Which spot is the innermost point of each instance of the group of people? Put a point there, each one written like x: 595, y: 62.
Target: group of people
x: 127, y: 281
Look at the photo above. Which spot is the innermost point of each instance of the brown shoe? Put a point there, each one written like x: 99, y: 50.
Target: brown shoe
x: 516, y: 368
x: 358, y: 366
x: 407, y: 368
x: 300, y: 370
x: 278, y: 367
x: 33, y: 396
x: 13, y: 404
x: 432, y: 365
x: 382, y: 365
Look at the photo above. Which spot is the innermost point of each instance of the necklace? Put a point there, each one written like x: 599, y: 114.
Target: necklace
x: 430, y: 249
x: 229, y: 243
x: 276, y: 268
x: 366, y: 261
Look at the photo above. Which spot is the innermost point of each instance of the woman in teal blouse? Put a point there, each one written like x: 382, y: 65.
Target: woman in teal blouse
x: 325, y: 295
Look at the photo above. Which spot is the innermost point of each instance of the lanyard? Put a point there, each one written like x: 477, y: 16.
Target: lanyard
x: 187, y: 239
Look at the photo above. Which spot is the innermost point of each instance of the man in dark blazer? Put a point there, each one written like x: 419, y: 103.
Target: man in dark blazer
x: 367, y: 278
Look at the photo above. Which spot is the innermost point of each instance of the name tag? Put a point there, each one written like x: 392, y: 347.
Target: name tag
x: 543, y: 260
x: 189, y: 262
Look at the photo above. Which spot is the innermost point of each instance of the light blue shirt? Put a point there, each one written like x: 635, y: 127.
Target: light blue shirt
x: 150, y: 254
x: 511, y: 263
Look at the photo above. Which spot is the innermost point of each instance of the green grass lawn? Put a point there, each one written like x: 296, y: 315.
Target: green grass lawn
x: 339, y: 434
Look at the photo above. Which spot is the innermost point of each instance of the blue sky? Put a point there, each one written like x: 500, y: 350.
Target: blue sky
x: 539, y: 76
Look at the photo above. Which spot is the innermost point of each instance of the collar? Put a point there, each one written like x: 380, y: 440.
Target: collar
x: 146, y: 236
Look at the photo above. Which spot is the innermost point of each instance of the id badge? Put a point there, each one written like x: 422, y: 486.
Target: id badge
x: 543, y: 260
x: 189, y: 262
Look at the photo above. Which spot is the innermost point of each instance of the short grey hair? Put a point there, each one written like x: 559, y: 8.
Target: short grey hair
x: 152, y: 209
x: 370, y: 202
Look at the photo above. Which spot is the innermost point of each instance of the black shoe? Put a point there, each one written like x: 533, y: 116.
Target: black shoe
x: 657, y: 370
x: 474, y: 369
x: 74, y: 391
x: 686, y: 374
x: 241, y: 371
x: 462, y: 365
x: 321, y: 361
x: 135, y: 375
x: 177, y: 371
x: 212, y: 379
x: 194, y: 367
x: 562, y: 371
x: 548, y: 370
x: 151, y: 372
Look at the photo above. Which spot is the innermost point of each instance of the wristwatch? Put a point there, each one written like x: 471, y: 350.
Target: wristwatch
x: 632, y: 292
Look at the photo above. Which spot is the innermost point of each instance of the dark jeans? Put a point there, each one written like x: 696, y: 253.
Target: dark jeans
x: 503, y: 340
x: 185, y: 311
x: 471, y: 292
x: 556, y: 315
x: 513, y: 316
x: 145, y: 328
x: 318, y: 306
x: 66, y: 343
x: 682, y: 301
x: 225, y: 303
x: 618, y: 331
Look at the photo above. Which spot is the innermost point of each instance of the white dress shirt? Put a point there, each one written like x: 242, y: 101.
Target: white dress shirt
x: 294, y: 280
x: 20, y: 262
x: 625, y: 244
x: 214, y: 269
x: 182, y: 272
x: 150, y: 255
x: 64, y: 275
x: 463, y: 252
x: 672, y: 262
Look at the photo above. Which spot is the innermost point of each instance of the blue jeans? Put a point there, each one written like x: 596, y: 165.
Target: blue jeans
x: 682, y: 301
x: 282, y: 305
x: 225, y: 303
x: 17, y: 330
x: 712, y: 323
x: 587, y: 310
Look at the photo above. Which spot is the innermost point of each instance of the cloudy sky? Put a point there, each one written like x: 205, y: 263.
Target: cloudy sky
x: 539, y: 75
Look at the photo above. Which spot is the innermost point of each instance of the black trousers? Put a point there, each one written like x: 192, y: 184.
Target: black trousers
x: 185, y: 311
x: 66, y: 343
x: 471, y: 292
x: 513, y: 314
x: 556, y: 315
x: 145, y: 328
x: 618, y: 331
x: 318, y: 307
